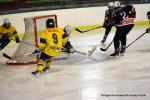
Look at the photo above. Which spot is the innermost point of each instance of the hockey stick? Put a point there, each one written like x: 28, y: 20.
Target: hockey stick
x: 135, y: 40
x: 102, y: 49
x: 25, y: 42
x: 88, y: 29
x: 82, y: 53
x: 20, y: 56
x: 91, y: 51
x: 94, y: 48
x: 33, y: 53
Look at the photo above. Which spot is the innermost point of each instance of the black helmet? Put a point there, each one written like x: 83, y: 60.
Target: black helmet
x: 50, y: 23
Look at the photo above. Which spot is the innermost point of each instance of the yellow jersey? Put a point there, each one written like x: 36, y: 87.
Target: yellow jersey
x: 11, y: 32
x: 52, y: 40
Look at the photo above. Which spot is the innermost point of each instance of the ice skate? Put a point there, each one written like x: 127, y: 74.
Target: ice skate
x: 36, y: 73
x: 46, y: 70
x: 115, y: 54
x: 122, y: 51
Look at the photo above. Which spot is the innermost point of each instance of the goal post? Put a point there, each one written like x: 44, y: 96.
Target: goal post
x: 33, y: 28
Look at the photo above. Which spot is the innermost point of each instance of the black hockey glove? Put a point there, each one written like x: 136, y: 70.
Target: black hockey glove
x: 18, y: 40
x: 36, y: 51
x: 148, y: 30
x: 104, y: 24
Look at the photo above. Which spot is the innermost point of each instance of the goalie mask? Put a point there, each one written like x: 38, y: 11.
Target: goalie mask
x: 50, y: 23
x: 67, y: 30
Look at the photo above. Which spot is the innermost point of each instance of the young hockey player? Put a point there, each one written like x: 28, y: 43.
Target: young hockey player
x: 124, y: 22
x: 51, y: 42
x: 148, y: 17
x: 7, y: 33
x: 108, y: 23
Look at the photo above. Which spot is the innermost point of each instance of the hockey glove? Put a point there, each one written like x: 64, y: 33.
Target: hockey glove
x: 36, y: 51
x: 18, y: 40
x: 148, y: 30
x: 104, y: 24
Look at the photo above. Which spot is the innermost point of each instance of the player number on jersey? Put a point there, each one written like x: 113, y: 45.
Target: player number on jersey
x: 55, y: 38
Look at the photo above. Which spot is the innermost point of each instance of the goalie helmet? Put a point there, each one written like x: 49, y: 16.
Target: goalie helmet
x: 110, y: 5
x: 148, y: 15
x: 6, y: 21
x: 116, y: 4
x: 50, y: 23
x: 67, y: 30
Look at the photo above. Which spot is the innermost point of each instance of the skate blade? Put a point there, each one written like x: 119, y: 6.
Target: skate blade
x: 114, y: 57
x: 36, y: 76
x: 45, y: 72
x: 121, y: 54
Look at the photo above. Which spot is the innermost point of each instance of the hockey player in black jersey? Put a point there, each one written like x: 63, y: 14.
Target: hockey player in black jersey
x: 148, y: 17
x: 124, y: 22
x: 108, y: 24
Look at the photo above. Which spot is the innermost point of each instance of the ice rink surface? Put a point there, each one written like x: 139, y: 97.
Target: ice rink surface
x: 82, y: 78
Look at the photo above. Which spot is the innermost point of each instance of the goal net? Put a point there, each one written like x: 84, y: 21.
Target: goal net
x: 33, y: 28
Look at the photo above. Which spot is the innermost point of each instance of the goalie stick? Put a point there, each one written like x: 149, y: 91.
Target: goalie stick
x: 88, y: 29
x: 33, y: 53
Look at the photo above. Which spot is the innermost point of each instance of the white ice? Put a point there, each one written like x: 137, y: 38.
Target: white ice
x: 82, y: 78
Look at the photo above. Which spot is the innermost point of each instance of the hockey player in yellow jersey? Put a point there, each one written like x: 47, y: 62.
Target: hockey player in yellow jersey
x: 7, y: 33
x: 51, y: 43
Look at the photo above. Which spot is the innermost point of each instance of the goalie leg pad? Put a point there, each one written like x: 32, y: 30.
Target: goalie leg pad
x: 4, y: 43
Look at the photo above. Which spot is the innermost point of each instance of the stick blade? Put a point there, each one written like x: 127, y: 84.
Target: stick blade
x: 6, y: 56
x: 78, y: 30
x: 91, y: 51
x: 102, y: 49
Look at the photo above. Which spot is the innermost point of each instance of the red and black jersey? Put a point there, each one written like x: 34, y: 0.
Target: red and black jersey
x: 124, y: 15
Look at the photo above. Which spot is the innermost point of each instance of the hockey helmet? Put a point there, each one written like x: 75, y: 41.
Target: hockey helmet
x: 50, y: 23
x: 110, y: 5
x: 6, y: 21
x: 67, y: 30
x: 116, y: 4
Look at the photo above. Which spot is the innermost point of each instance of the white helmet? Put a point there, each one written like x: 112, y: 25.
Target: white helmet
x: 116, y: 4
x: 67, y: 30
x: 6, y: 21
x: 110, y: 5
